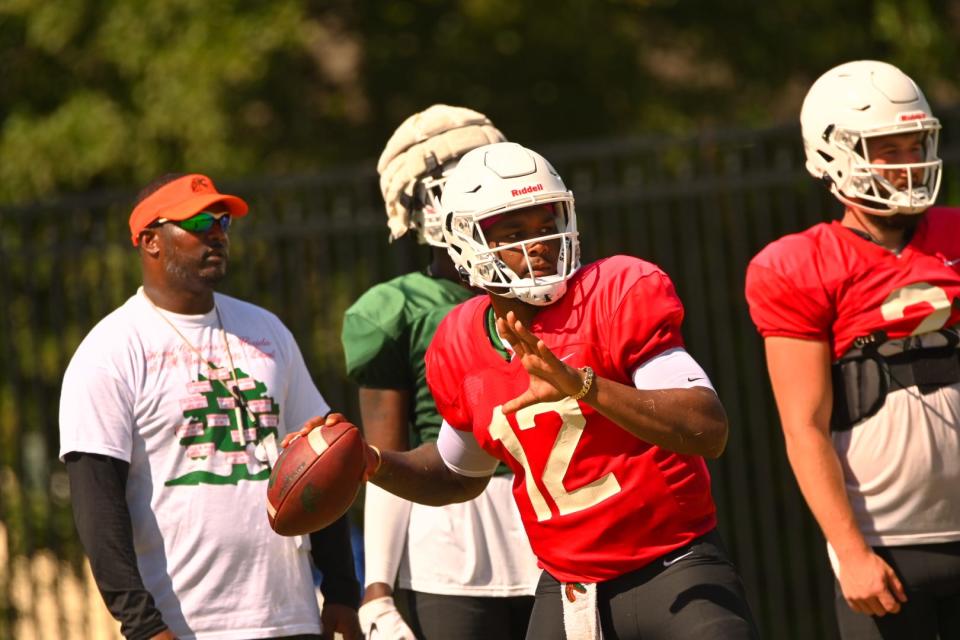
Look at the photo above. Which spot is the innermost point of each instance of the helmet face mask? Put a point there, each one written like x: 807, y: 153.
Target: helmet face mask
x: 428, y: 224
x: 501, y: 180
x: 488, y: 270
x: 854, y: 104
x: 868, y: 186
x: 426, y: 215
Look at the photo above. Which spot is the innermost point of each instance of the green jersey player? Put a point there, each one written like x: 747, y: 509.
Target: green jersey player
x: 385, y: 336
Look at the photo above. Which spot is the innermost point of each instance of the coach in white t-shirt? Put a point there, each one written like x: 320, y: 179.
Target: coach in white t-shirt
x: 169, y: 417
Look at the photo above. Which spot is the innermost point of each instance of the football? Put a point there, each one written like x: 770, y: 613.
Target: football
x: 315, y: 479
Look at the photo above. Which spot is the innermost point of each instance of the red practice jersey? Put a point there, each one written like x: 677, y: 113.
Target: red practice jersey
x: 828, y: 283
x: 596, y: 501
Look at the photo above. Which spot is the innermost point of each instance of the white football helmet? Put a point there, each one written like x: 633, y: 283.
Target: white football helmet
x: 494, y: 180
x: 867, y: 99
x: 416, y: 161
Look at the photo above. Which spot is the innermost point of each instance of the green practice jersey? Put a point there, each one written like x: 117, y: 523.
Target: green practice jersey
x: 385, y: 336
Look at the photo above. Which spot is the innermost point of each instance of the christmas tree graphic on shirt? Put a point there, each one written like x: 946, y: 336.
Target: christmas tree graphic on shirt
x: 220, y: 429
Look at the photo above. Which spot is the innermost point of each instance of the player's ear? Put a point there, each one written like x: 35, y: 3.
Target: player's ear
x: 150, y: 241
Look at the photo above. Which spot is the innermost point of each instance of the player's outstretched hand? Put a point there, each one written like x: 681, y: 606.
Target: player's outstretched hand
x: 373, y: 457
x: 380, y: 620
x: 870, y: 586
x: 550, y: 378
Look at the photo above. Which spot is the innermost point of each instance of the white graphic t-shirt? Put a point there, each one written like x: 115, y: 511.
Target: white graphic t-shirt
x: 189, y: 427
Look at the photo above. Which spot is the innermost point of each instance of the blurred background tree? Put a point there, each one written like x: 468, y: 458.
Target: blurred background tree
x: 97, y: 93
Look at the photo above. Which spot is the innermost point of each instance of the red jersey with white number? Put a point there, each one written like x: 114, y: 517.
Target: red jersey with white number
x: 828, y: 283
x: 596, y: 501
x: 901, y: 466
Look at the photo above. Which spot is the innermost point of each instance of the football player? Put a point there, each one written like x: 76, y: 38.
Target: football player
x: 577, y: 378
x: 465, y: 570
x: 859, y: 323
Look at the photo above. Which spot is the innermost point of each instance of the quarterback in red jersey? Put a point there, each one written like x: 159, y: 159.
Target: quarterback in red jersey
x: 576, y: 378
x: 859, y: 321
x: 579, y: 474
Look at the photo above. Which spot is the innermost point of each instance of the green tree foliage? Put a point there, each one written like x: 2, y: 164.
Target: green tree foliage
x: 114, y: 92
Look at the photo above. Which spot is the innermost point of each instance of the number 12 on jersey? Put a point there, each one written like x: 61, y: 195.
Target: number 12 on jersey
x: 558, y: 461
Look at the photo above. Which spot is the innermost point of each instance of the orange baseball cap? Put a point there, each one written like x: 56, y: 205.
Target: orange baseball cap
x: 181, y: 199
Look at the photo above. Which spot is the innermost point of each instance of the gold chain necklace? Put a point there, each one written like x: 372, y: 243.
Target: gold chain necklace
x: 241, y: 404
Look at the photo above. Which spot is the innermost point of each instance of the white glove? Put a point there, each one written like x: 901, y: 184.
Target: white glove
x: 380, y: 620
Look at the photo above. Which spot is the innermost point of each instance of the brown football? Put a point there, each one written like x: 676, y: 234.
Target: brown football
x: 316, y: 479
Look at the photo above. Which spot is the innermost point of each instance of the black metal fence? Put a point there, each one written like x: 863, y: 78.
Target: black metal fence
x: 700, y: 207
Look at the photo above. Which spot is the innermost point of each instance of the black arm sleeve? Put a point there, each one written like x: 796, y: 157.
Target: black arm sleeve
x: 98, y: 495
x: 333, y: 556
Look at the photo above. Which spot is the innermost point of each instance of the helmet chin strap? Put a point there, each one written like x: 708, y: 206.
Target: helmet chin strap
x: 541, y: 295
x: 525, y: 291
x: 860, y: 206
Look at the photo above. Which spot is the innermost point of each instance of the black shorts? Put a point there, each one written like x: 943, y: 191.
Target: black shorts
x: 437, y: 617
x: 930, y: 574
x: 692, y: 592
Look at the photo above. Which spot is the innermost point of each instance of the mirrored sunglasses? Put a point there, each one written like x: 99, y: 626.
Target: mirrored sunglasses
x: 200, y: 223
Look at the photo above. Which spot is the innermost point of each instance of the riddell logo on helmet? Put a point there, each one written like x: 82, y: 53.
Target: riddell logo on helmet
x: 911, y: 115
x: 525, y: 190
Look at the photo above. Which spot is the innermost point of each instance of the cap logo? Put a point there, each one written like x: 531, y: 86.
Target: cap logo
x: 200, y: 184
x: 910, y: 116
x: 525, y: 190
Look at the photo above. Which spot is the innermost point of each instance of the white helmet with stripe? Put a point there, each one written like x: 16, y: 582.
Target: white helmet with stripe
x: 852, y: 103
x: 493, y: 180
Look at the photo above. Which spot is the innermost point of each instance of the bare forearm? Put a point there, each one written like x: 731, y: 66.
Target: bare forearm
x: 689, y: 421
x: 817, y: 469
x: 385, y: 413
x: 421, y: 476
